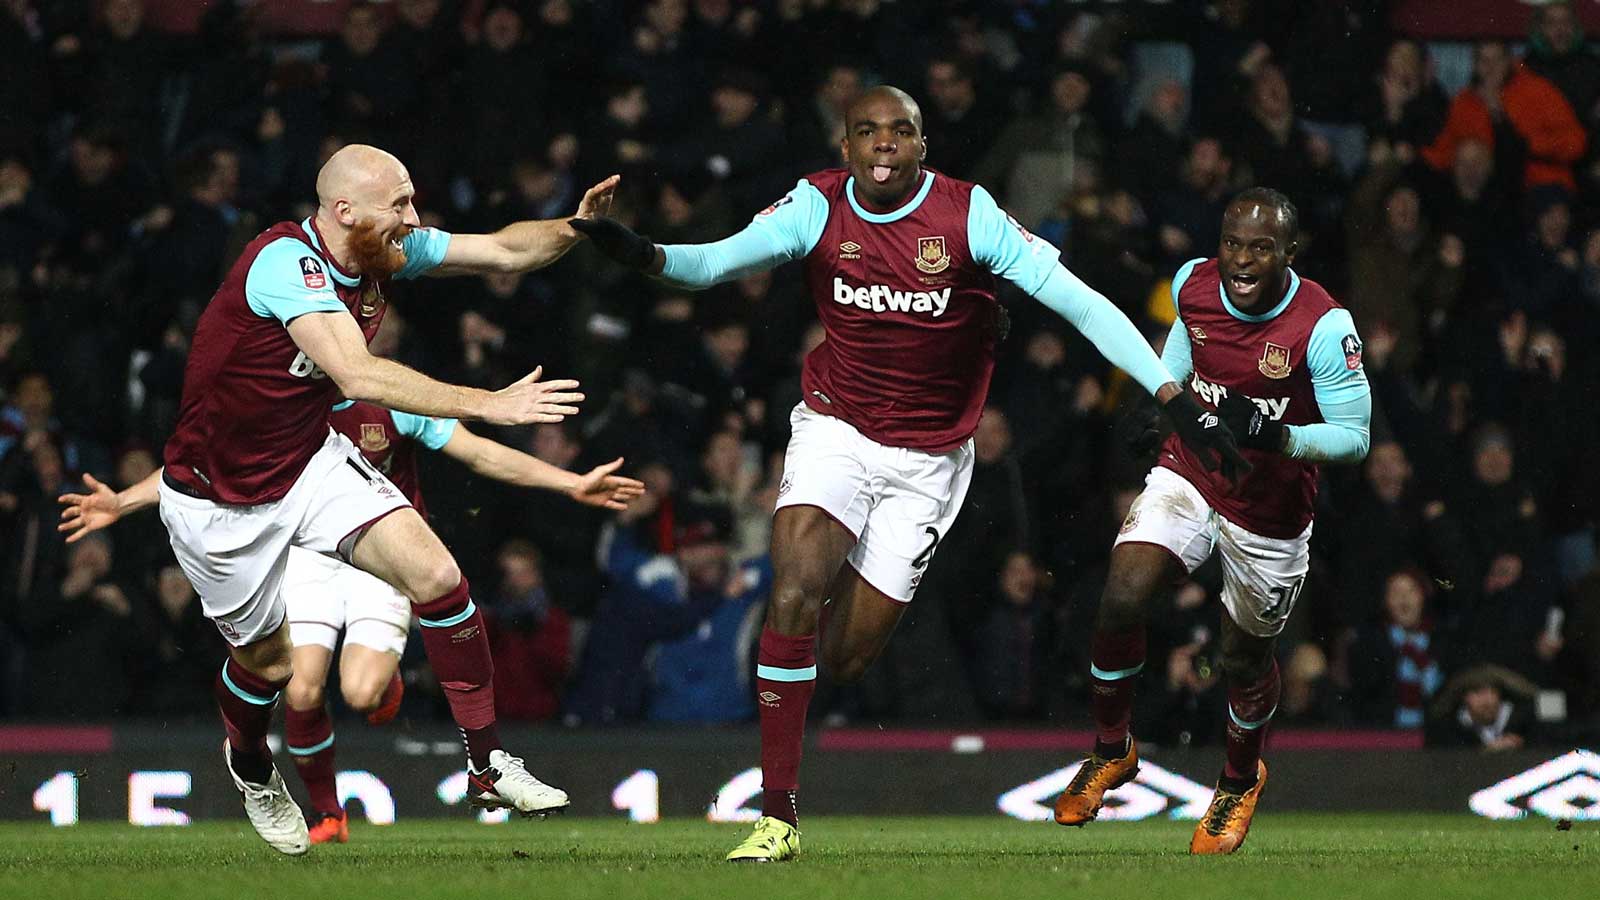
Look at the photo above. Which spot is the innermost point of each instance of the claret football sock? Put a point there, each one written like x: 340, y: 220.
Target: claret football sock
x: 245, y: 700
x: 458, y: 650
x: 786, y: 676
x: 1250, y: 709
x: 1116, y: 657
x: 308, y: 733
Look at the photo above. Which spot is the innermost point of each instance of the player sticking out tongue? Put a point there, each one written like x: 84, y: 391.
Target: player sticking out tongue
x: 885, y: 147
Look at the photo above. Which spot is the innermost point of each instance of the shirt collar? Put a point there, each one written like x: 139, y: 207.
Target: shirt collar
x: 895, y: 216
x: 1288, y: 296
x: 309, y: 226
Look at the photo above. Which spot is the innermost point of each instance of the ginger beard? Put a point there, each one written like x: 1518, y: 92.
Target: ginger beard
x: 376, y: 254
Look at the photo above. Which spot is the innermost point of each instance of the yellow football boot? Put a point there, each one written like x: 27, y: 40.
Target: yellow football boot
x: 773, y: 840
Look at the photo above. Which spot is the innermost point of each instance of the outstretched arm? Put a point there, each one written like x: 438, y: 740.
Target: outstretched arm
x: 784, y: 231
x: 1031, y: 263
x: 597, y: 487
x: 334, y: 344
x: 524, y: 246
x: 102, y: 507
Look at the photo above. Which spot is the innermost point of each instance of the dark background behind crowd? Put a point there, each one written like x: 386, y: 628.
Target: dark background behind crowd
x: 1446, y: 192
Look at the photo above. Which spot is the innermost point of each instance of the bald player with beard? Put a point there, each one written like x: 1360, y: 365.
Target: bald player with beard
x: 901, y: 262
x: 253, y: 468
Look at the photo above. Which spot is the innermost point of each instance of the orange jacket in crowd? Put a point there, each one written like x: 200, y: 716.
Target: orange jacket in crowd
x: 1538, y: 112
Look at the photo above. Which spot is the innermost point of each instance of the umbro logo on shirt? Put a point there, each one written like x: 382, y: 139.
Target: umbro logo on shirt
x: 311, y: 271
x: 849, y: 250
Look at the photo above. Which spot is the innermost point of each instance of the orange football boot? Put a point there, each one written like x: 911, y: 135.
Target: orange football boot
x: 1224, y: 826
x: 389, y: 706
x: 1098, y: 776
x: 329, y: 828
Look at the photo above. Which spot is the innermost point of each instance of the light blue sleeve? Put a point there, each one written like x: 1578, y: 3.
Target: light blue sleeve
x: 784, y: 231
x: 1177, y: 355
x: 424, y: 249
x: 1105, y: 326
x: 1334, y: 357
x: 1343, y: 436
x: 1340, y: 383
x: 1001, y: 245
x: 287, y: 280
x: 430, y: 432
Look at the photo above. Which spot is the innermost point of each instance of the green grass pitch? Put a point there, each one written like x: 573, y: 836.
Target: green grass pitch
x: 1288, y: 857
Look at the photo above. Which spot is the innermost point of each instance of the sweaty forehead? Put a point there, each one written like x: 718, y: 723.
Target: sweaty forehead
x: 1255, y: 218
x: 883, y: 109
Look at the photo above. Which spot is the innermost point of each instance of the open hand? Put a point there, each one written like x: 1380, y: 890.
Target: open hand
x: 599, y: 487
x: 88, y: 512
x: 596, y: 201
x: 531, y: 401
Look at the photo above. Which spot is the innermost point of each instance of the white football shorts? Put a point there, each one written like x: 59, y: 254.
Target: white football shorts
x: 1261, y: 576
x: 899, y: 503
x: 324, y: 596
x: 235, y: 556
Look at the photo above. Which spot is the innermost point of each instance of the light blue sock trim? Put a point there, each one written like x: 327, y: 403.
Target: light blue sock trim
x: 244, y: 695
x: 773, y: 673
x: 1250, y: 726
x: 456, y: 619
x: 318, y: 748
x: 1118, y: 675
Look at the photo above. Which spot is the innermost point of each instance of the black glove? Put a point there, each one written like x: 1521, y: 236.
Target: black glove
x: 1205, y: 433
x: 617, y: 241
x: 1147, y: 437
x: 1250, y: 426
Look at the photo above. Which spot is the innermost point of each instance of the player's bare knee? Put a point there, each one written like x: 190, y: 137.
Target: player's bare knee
x: 795, y: 609
x: 435, y: 580
x: 303, y: 694
x: 361, y: 696
x: 1123, y: 602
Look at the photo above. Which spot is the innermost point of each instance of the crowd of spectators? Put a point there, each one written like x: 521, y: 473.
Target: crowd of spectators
x: 1455, y: 583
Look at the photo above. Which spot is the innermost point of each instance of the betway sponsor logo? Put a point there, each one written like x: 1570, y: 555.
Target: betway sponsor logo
x: 882, y: 298
x: 1273, y: 408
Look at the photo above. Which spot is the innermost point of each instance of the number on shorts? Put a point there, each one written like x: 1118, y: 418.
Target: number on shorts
x: 927, y: 552
x: 1282, y: 599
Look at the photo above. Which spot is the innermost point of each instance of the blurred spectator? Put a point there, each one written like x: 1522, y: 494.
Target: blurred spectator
x: 1519, y: 113
x: 817, y: 128
x: 506, y: 87
x: 1149, y: 157
x: 1188, y: 218
x: 1392, y: 522
x: 1282, y: 153
x: 1409, y: 106
x: 1403, y: 276
x: 1557, y: 51
x: 530, y: 637
x: 1394, y: 663
x: 1486, y: 707
x: 651, y: 597
x: 742, y: 149
x: 28, y: 223
x: 1014, y: 645
x: 1034, y: 163
x: 78, y: 624
x: 183, y: 648
x: 960, y: 125
x: 704, y: 676
x: 371, y: 83
x: 103, y: 196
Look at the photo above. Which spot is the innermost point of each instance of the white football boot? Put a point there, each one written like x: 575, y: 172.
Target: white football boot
x: 272, y: 812
x: 506, y: 784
